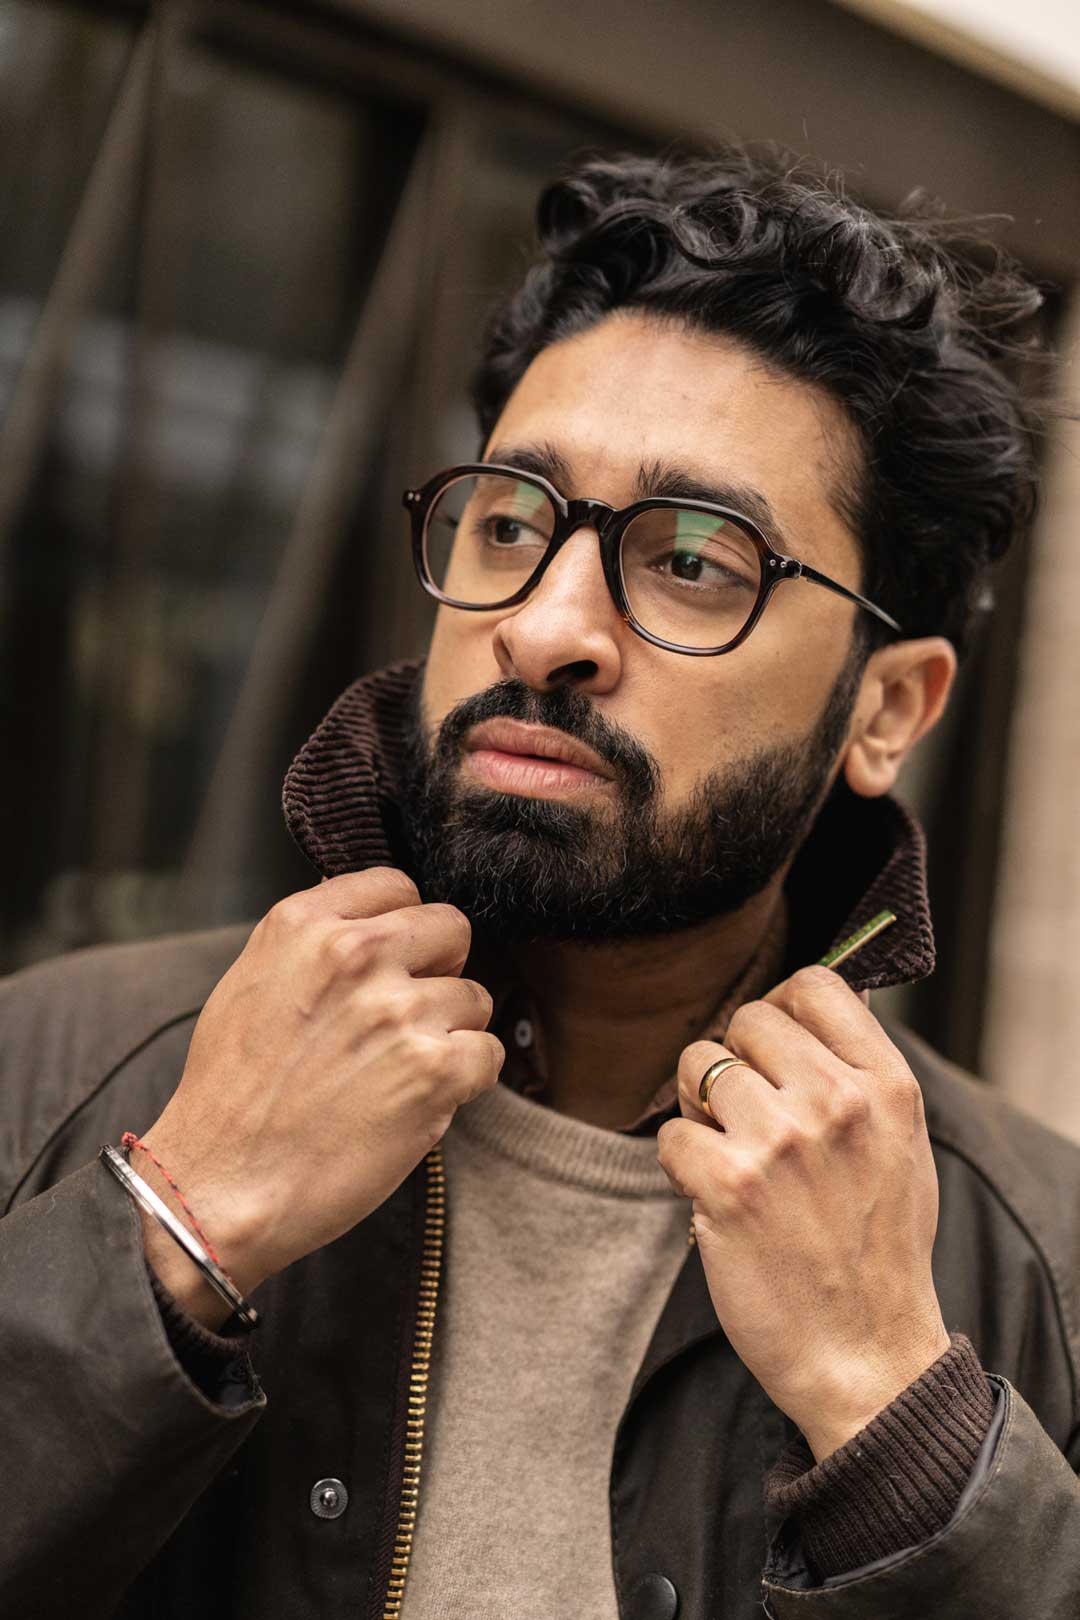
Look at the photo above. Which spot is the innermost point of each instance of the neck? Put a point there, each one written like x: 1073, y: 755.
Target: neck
x: 615, y: 1018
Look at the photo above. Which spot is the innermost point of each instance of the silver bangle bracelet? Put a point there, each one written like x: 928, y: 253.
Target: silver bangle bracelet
x: 145, y: 1195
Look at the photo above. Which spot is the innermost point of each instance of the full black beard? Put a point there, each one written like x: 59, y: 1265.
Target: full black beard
x: 532, y: 869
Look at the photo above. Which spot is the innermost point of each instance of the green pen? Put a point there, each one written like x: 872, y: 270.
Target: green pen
x: 855, y: 942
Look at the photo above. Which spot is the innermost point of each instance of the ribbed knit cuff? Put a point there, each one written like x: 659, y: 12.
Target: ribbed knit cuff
x: 897, y: 1481
x: 211, y: 1360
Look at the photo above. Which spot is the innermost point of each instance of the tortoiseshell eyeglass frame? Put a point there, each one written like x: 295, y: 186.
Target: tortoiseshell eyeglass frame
x: 611, y: 523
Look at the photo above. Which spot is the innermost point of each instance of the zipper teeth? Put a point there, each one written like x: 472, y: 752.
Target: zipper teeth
x: 430, y: 1272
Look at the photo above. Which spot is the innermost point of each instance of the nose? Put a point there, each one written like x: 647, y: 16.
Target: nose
x: 569, y: 630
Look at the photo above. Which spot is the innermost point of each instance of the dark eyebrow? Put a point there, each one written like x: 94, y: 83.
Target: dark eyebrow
x: 681, y: 484
x: 660, y: 478
x: 542, y: 459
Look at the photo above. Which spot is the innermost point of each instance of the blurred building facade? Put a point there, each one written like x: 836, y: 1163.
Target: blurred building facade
x: 246, y: 252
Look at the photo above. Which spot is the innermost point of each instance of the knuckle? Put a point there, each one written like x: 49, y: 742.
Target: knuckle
x: 745, y: 1181
x: 788, y: 1141
x: 434, y: 1123
x: 665, y: 1142
x: 424, y: 1056
x: 695, y: 1059
x: 745, y: 1020
x: 380, y: 936
x: 482, y: 998
x: 809, y: 986
x: 670, y: 1140
x: 390, y: 883
x: 816, y: 980
x: 348, y: 949
x: 849, y: 1106
x: 478, y: 1067
x: 454, y: 920
x: 905, y: 1091
x: 390, y: 1006
x: 291, y: 912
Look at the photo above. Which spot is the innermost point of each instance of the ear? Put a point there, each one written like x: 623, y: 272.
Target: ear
x: 904, y: 690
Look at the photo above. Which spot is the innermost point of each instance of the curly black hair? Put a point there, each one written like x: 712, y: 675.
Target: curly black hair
x: 908, y: 323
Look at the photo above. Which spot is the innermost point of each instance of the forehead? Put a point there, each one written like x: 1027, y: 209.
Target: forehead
x: 633, y: 391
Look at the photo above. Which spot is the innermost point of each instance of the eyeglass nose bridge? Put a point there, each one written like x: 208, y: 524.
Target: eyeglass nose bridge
x: 586, y: 514
x: 598, y: 515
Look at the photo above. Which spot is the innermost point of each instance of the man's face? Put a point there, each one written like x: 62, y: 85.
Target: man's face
x: 703, y: 761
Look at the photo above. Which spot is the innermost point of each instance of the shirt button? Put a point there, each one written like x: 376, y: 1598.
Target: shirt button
x: 329, y: 1499
x: 653, y: 1598
x: 523, y: 1032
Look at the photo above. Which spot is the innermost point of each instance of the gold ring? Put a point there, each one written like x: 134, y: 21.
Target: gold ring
x: 712, y: 1075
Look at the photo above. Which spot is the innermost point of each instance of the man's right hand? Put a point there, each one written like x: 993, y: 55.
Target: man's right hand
x: 328, y: 1060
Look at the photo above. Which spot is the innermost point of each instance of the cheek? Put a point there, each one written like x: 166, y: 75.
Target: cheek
x: 726, y: 709
x: 459, y: 663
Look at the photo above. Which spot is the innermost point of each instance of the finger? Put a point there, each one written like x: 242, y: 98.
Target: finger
x: 425, y: 940
x: 693, y: 1062
x: 812, y: 1081
x: 428, y: 940
x: 370, y: 893
x: 772, y: 1042
x: 477, y: 1061
x: 447, y: 1004
x: 819, y: 1001
x: 741, y: 1101
x: 696, y: 1160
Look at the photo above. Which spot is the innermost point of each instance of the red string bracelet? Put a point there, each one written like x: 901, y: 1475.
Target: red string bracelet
x: 129, y: 1140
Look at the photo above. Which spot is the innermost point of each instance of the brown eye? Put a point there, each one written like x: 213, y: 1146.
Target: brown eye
x: 686, y: 565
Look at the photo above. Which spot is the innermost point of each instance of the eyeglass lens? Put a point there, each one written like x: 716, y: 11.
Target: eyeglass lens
x: 690, y: 578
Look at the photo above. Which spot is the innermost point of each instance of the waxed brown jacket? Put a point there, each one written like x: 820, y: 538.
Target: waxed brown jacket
x: 131, y: 1487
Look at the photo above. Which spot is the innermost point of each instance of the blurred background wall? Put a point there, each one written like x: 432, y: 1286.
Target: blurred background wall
x: 245, y: 252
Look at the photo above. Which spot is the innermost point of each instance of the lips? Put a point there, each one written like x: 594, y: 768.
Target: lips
x: 534, y: 761
x: 530, y: 742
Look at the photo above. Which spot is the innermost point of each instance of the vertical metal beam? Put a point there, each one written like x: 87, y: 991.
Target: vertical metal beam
x: 87, y: 256
x: 123, y: 758
x: 374, y: 368
x: 398, y: 617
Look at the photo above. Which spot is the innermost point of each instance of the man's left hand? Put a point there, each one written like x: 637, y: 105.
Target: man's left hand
x: 815, y: 1204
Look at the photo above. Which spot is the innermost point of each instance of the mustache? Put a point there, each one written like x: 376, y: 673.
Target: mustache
x: 564, y: 709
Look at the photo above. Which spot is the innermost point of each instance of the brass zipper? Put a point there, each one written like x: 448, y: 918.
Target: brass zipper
x: 430, y: 1273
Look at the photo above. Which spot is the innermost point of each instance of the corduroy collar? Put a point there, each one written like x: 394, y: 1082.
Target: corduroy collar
x: 862, y: 856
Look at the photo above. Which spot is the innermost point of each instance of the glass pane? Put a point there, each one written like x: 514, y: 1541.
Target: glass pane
x: 690, y: 577
x: 59, y: 72
x: 175, y: 454
x: 486, y: 535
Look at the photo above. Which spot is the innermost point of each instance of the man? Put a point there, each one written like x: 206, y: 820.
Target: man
x: 747, y: 456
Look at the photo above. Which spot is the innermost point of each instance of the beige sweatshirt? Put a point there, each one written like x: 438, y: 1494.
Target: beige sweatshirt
x: 563, y: 1243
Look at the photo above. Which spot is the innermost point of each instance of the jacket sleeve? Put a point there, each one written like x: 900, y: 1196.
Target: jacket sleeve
x: 106, y: 1440
x: 1011, y: 1549
x: 899, y: 1480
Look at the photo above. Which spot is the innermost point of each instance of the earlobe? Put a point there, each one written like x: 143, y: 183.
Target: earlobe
x: 904, y: 692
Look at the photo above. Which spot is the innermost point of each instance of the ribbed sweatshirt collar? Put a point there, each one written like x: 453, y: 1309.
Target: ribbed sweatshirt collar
x: 563, y: 1149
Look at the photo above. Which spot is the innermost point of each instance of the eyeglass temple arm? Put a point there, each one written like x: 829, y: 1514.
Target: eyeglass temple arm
x: 807, y: 572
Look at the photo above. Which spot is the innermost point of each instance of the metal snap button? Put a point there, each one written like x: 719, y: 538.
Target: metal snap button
x: 653, y: 1597
x: 328, y: 1499
x: 523, y: 1032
